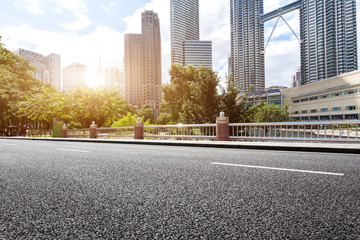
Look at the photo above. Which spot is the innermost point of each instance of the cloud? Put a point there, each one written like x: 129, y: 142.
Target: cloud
x: 78, y: 8
x: 33, y: 6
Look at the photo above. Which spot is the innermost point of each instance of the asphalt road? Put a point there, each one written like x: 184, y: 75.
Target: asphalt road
x: 62, y: 190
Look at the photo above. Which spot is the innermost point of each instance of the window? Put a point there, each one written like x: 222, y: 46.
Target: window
x: 352, y: 91
x: 336, y: 94
x: 323, y: 96
x: 313, y: 98
x: 304, y: 100
x: 296, y: 112
x: 324, y: 110
x: 313, y: 110
x: 336, y: 109
x: 296, y: 101
x: 304, y: 111
x: 350, y: 108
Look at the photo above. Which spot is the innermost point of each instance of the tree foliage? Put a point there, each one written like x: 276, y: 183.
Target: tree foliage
x: 270, y: 113
x: 191, y: 96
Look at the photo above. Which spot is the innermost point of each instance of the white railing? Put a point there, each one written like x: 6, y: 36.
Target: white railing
x: 315, y: 131
x: 181, y: 131
x: 344, y: 131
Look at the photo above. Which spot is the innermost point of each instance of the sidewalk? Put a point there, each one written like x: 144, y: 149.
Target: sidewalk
x: 279, y: 146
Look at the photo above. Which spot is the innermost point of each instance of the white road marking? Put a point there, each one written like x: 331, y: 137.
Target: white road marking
x: 279, y: 169
x: 8, y: 144
x: 72, y: 150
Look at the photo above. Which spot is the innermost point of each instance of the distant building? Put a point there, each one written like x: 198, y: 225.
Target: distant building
x: 271, y: 95
x: 328, y: 39
x: 48, y: 68
x: 335, y: 98
x: 296, y: 79
x: 198, y: 53
x: 114, y: 79
x: 74, y: 75
x: 142, y: 64
x: 184, y: 23
x: 247, y: 44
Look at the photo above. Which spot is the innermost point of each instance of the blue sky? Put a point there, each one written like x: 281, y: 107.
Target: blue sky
x: 83, y: 30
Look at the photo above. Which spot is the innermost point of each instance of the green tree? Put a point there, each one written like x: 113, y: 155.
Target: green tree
x: 235, y: 105
x: 191, y: 96
x: 147, y: 113
x: 270, y: 113
x: 128, y: 120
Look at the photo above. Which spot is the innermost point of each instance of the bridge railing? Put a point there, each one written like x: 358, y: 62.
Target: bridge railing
x: 287, y: 131
x: 344, y: 131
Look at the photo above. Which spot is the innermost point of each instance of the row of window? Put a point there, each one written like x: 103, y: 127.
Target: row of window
x: 334, y: 109
x: 335, y: 94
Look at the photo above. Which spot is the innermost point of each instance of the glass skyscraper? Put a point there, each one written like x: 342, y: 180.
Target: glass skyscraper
x: 184, y: 26
x: 328, y: 39
x: 247, y: 44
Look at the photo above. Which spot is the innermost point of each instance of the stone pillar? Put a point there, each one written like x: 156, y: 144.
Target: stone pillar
x: 64, y: 131
x: 222, y: 128
x: 139, y: 129
x: 93, y: 130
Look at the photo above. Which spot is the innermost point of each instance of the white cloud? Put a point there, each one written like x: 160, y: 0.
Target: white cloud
x: 58, y: 10
x: 33, y: 6
x: 78, y: 9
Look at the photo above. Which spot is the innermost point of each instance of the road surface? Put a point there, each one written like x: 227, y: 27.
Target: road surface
x: 63, y: 190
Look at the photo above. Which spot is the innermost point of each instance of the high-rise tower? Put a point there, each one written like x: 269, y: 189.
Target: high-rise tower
x: 184, y: 26
x: 142, y: 64
x: 328, y: 39
x: 247, y: 44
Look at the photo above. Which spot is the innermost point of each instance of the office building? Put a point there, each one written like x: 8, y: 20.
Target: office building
x: 335, y: 98
x: 74, y: 76
x: 247, y: 44
x: 48, y: 69
x: 184, y: 22
x: 296, y: 78
x: 198, y: 53
x: 328, y: 39
x: 114, y: 79
x: 142, y: 62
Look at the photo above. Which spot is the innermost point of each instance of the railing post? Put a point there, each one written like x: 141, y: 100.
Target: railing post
x: 139, y: 129
x: 222, y: 128
x: 93, y: 130
x: 64, y: 131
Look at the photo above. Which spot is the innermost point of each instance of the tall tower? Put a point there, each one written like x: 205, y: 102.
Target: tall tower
x: 151, y: 88
x: 142, y: 64
x: 328, y: 39
x: 247, y: 44
x: 184, y: 26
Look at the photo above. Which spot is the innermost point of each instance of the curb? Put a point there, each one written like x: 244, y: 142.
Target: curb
x: 275, y: 146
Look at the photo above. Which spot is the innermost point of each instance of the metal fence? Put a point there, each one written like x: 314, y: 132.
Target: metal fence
x: 312, y: 131
x: 345, y: 131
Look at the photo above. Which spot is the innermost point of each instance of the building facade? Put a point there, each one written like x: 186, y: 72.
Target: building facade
x: 184, y: 21
x: 328, y: 39
x: 247, y: 44
x: 114, y: 79
x: 74, y: 76
x: 336, y: 98
x: 296, y: 79
x: 198, y: 53
x: 142, y: 64
x: 48, y: 68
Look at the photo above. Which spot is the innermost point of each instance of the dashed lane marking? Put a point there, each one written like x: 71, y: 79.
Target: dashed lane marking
x: 278, y: 169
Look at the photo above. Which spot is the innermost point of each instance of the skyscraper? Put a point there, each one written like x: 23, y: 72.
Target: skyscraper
x: 198, y: 53
x: 48, y: 68
x: 184, y: 26
x: 328, y: 39
x: 114, y: 79
x: 142, y: 62
x: 247, y: 44
x: 74, y: 75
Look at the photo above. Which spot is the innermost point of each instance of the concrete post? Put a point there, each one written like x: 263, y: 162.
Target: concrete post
x: 139, y: 129
x: 222, y: 128
x: 64, y: 131
x: 93, y: 130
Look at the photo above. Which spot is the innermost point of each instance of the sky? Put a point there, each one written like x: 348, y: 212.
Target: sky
x: 85, y: 31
